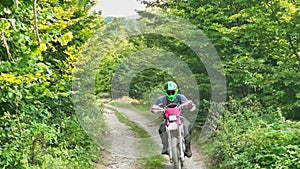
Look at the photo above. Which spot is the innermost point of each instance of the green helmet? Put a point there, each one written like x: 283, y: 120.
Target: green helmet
x: 171, y: 90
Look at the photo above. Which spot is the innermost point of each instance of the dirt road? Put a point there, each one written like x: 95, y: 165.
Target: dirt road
x: 123, y: 145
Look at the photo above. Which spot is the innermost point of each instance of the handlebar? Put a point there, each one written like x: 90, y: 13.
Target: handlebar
x: 157, y: 109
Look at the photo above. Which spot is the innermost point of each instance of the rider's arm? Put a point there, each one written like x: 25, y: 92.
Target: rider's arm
x: 182, y: 98
x: 190, y: 106
x: 159, y: 102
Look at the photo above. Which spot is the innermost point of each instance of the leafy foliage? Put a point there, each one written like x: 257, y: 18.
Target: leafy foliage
x: 36, y: 65
x: 258, y: 43
x: 256, y: 138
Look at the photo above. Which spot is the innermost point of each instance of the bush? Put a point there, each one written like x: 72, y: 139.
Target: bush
x: 31, y: 141
x: 253, y: 137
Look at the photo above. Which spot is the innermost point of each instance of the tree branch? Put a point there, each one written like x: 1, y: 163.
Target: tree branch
x: 36, y: 29
x: 7, y: 47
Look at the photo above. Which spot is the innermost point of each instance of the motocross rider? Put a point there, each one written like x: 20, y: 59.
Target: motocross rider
x: 172, y: 96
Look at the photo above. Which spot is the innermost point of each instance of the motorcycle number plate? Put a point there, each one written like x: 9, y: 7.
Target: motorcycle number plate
x: 172, y: 118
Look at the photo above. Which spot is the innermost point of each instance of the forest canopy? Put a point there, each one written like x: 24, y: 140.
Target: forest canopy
x: 44, y: 43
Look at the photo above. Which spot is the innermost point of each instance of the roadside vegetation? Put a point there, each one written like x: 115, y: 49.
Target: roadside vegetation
x: 258, y: 44
x: 40, y: 43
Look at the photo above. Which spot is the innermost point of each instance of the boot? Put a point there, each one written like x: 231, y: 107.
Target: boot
x: 165, y: 150
x: 188, y: 152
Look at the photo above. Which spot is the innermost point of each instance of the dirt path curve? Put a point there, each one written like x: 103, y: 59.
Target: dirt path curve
x: 147, y: 124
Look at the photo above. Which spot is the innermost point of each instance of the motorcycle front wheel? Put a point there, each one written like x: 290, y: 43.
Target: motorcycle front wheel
x: 176, y: 153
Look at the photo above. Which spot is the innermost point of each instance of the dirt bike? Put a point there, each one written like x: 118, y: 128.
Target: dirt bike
x: 175, y: 132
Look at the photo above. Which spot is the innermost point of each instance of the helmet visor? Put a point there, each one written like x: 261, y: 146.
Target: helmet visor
x: 171, y: 92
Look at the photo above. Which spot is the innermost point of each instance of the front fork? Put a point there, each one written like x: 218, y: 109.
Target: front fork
x: 170, y: 145
x: 181, y: 142
x: 180, y: 138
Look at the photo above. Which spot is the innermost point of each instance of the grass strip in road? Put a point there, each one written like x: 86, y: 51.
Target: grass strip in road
x: 143, y: 109
x: 141, y: 133
x: 152, y: 162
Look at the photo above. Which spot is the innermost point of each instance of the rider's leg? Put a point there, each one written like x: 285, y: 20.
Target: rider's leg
x: 187, y: 137
x: 164, y: 138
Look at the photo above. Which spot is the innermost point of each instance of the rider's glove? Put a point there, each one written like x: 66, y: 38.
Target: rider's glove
x: 191, y: 106
x: 155, y: 109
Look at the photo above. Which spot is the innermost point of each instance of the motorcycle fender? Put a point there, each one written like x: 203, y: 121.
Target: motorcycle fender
x: 172, y: 126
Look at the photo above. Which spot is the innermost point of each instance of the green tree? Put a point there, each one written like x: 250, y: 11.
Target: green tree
x: 258, y: 42
x: 41, y: 43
